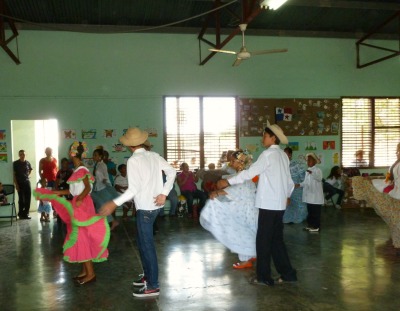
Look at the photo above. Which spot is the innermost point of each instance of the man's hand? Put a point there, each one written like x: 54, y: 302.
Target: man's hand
x: 107, y: 208
x: 160, y: 200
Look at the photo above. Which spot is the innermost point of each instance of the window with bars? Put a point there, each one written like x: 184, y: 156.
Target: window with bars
x: 199, y: 130
x: 373, y: 126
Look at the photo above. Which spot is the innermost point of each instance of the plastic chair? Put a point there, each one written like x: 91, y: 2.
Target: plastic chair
x: 9, y: 191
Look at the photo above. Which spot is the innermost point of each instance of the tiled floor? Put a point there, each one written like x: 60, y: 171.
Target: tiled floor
x: 350, y: 265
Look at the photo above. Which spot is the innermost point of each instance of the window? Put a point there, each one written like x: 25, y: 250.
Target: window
x: 371, y: 125
x: 198, y: 130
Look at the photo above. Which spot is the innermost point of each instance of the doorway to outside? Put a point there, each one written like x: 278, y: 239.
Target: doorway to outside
x: 34, y: 136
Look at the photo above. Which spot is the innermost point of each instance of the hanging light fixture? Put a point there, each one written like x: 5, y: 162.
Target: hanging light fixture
x: 272, y: 4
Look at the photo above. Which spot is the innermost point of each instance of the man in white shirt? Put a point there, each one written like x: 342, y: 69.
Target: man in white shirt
x: 146, y: 187
x: 274, y: 188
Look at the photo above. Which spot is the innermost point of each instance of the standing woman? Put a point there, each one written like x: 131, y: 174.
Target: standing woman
x: 102, y: 190
x: 48, y: 168
x: 87, y: 233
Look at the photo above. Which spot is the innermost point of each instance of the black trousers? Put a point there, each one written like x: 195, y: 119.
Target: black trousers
x: 314, y: 215
x: 24, y: 198
x: 270, y: 244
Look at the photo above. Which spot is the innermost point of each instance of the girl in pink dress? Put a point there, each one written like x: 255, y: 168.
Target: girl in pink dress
x: 87, y: 233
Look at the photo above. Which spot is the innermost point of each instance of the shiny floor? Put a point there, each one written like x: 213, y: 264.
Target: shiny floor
x: 349, y: 265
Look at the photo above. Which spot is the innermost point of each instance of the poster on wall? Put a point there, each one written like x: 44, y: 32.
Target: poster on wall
x: 335, y: 158
x: 69, y: 134
x: 118, y: 147
x: 75, y: 145
x: 294, y: 145
x: 297, y: 117
x: 89, y: 134
x: 3, y: 147
x: 3, y: 158
x: 109, y: 133
x: 328, y: 145
x: 3, y: 135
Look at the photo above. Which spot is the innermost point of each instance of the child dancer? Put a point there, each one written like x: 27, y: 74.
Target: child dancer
x: 44, y: 206
x: 313, y: 194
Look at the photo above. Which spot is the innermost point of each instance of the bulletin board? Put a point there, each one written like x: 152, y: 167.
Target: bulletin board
x: 297, y: 117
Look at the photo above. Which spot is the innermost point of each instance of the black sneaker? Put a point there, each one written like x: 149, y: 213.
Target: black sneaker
x: 141, y: 281
x: 146, y: 292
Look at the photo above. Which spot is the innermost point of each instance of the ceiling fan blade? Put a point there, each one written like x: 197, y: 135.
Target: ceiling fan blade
x: 223, y: 51
x: 268, y: 51
x: 237, y: 62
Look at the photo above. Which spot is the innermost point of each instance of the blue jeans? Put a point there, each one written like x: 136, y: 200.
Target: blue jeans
x: 147, y: 250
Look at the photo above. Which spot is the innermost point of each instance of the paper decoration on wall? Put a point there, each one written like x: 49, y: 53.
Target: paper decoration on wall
x: 283, y: 114
x: 89, y: 134
x: 69, y: 134
x: 335, y: 158
x: 294, y: 145
x: 118, y: 148
x: 152, y: 132
x: 75, y: 145
x: 89, y: 162
x: 3, y: 135
x: 328, y: 145
x: 3, y: 158
x: 109, y: 133
x: 310, y: 145
x: 309, y: 117
x: 3, y: 147
x: 252, y: 147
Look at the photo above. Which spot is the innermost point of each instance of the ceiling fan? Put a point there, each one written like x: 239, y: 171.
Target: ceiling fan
x: 244, y: 54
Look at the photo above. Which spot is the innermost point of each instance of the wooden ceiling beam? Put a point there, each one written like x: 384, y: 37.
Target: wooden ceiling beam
x: 4, y: 41
x: 250, y: 9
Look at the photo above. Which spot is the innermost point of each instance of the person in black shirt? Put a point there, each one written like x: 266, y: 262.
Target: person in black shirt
x: 22, y: 169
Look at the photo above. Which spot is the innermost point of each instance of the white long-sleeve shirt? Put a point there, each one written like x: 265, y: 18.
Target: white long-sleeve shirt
x: 275, y: 184
x: 145, y: 181
x: 101, y: 176
x: 312, y: 186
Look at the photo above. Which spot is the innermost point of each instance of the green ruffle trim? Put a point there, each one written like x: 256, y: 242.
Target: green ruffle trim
x: 75, y: 224
x: 90, y: 177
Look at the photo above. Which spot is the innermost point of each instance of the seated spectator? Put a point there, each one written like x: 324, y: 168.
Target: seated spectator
x: 228, y: 165
x: 359, y: 161
x: 121, y: 184
x: 211, y: 166
x: 187, y: 184
x: 333, y: 185
x: 3, y: 197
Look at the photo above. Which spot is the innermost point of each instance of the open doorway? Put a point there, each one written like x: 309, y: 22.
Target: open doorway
x: 34, y: 136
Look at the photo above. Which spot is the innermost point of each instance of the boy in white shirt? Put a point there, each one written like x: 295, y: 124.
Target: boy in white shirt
x: 313, y: 194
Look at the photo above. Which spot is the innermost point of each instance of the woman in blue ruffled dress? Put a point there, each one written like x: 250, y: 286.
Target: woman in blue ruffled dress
x: 231, y: 216
x: 296, y: 211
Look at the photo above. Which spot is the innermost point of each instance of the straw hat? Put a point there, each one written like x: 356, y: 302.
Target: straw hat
x: 313, y: 155
x: 278, y: 132
x: 134, y: 137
